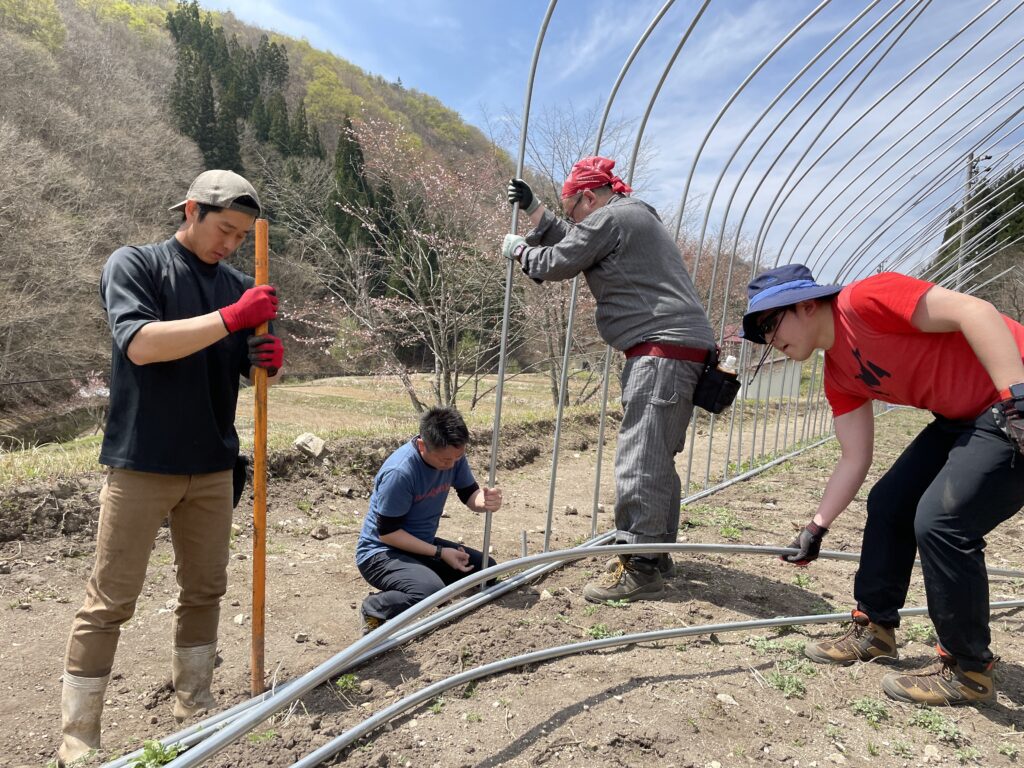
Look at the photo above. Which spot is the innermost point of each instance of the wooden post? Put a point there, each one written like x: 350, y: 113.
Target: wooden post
x: 259, y: 480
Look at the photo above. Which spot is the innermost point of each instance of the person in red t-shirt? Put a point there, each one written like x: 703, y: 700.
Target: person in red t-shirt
x: 901, y: 340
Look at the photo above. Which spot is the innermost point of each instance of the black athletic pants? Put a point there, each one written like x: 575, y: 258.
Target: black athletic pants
x: 952, y: 485
x: 404, y: 579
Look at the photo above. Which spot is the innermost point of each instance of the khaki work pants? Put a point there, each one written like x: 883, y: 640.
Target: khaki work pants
x: 133, y: 505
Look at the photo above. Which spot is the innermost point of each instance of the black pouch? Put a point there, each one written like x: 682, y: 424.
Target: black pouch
x: 716, y: 389
x: 239, y: 475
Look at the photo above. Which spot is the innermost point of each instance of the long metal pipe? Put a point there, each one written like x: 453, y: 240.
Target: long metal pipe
x: 777, y: 205
x: 200, y: 730
x: 918, y: 8
x: 392, y: 711
x: 846, y: 131
x: 911, y: 231
x: 632, y: 167
x: 563, y: 385
x: 931, y: 187
x: 247, y: 720
x: 509, y: 275
x: 915, y: 146
x: 721, y: 112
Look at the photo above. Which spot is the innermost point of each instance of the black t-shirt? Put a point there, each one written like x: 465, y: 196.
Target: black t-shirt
x: 176, y: 417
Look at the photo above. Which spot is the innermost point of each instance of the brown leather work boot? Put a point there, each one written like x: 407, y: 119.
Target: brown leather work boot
x: 666, y: 567
x: 940, y: 684
x: 863, y: 641
x: 632, y: 580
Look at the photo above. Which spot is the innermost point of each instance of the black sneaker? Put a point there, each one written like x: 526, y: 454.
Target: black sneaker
x: 368, y: 623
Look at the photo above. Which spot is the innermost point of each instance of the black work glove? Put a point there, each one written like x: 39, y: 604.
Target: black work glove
x: 519, y: 192
x: 808, y: 541
x: 266, y: 352
x: 1009, y: 419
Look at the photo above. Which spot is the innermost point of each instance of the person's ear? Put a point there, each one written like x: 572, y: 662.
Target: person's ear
x: 809, y: 307
x: 191, y: 211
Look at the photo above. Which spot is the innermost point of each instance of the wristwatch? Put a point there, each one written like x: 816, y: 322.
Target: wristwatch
x: 437, y: 552
x: 517, y: 252
x: 1014, y: 392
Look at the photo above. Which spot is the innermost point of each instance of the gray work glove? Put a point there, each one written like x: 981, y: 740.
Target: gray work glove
x: 808, y: 542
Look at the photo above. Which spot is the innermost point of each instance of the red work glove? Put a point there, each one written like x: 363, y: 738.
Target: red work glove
x: 808, y: 541
x: 266, y: 352
x: 257, y: 305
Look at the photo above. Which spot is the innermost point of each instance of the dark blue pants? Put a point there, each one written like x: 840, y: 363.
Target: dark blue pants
x: 404, y: 578
x: 952, y: 485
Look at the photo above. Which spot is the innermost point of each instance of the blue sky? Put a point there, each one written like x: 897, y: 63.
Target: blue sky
x: 475, y: 58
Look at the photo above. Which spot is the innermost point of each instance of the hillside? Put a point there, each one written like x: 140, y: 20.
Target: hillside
x: 109, y: 108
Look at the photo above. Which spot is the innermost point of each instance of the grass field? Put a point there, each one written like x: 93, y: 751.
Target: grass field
x: 336, y: 408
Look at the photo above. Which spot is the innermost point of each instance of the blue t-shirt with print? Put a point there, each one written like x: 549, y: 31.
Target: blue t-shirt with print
x: 406, y: 486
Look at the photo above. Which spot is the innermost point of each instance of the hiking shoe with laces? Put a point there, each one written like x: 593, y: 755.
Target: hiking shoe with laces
x: 942, y: 683
x: 632, y: 579
x: 863, y: 641
x: 367, y: 623
x: 666, y: 567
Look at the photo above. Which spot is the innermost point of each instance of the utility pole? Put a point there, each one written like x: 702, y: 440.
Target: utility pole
x: 965, y: 218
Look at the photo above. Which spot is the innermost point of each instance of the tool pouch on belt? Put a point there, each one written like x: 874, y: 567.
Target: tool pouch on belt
x: 716, y: 389
x: 239, y: 475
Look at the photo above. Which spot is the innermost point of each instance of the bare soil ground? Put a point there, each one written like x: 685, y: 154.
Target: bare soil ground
x: 727, y: 700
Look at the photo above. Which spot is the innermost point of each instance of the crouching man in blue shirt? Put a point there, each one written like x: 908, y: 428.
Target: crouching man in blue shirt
x: 399, y: 552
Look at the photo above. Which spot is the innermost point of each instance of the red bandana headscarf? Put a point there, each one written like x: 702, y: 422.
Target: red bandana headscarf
x: 591, y: 173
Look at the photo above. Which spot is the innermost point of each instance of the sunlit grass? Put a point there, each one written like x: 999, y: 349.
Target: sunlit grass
x: 335, y: 408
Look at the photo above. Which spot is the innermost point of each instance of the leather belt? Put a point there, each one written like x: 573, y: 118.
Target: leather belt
x: 671, y: 351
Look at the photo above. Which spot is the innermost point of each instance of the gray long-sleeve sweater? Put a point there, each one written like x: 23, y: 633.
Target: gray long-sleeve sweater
x: 634, y: 271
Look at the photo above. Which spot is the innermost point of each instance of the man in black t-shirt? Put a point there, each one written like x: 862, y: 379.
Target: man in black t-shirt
x: 181, y: 322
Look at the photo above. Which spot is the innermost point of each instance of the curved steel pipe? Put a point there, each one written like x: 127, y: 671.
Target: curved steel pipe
x: 536, y: 657
x: 249, y: 719
x: 838, y: 231
x: 509, y: 275
x: 846, y: 131
x: 776, y: 205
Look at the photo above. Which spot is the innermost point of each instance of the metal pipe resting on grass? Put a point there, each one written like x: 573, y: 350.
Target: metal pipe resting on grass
x: 250, y: 718
x: 535, y: 657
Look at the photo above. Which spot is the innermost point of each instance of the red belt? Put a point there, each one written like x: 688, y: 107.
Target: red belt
x: 671, y: 351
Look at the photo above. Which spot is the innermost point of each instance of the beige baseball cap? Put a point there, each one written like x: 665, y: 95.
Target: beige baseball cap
x: 222, y: 189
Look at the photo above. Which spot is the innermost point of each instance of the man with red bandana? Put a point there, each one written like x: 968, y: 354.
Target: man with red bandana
x: 648, y: 309
x: 901, y: 340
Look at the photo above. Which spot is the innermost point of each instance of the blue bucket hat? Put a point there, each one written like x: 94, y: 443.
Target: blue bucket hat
x: 780, y: 287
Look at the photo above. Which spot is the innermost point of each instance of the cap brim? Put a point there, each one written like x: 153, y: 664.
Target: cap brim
x: 784, y: 299
x: 179, y: 207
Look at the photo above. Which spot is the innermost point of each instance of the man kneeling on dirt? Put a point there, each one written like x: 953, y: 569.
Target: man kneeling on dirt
x: 398, y: 550
x: 901, y: 340
x: 181, y: 322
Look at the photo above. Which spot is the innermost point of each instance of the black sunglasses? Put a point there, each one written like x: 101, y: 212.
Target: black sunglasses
x: 769, y: 323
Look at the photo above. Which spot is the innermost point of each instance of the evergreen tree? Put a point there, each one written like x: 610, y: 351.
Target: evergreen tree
x: 228, y: 149
x: 299, y: 142
x: 260, y: 119
x: 205, y: 126
x: 277, y: 113
x: 351, y: 185
x: 182, y: 92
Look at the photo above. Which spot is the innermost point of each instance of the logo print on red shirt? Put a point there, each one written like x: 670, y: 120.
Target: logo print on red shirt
x: 870, y: 373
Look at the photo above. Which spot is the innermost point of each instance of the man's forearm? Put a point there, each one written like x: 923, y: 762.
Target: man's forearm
x: 405, y: 541
x: 164, y: 340
x: 840, y: 490
x: 985, y: 330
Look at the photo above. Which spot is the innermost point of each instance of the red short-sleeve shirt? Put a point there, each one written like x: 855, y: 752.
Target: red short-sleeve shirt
x: 879, y: 355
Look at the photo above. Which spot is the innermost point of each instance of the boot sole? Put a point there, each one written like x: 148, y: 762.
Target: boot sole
x: 900, y: 695
x: 632, y: 598
x: 824, y: 659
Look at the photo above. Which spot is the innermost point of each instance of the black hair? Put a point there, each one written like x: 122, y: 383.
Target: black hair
x: 443, y: 428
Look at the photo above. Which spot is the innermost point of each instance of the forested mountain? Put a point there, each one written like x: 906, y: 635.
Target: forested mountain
x: 385, y: 207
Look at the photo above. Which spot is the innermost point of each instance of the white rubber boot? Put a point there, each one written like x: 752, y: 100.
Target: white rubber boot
x: 192, y: 675
x: 81, y: 705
